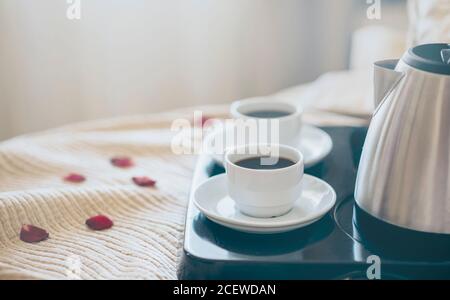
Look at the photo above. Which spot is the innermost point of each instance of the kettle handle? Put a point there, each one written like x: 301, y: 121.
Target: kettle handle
x: 386, y: 79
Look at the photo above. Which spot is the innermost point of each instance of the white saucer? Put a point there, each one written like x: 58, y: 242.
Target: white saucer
x: 262, y: 230
x: 314, y: 144
x: 212, y: 199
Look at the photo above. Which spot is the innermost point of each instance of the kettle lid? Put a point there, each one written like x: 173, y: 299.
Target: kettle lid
x: 434, y: 58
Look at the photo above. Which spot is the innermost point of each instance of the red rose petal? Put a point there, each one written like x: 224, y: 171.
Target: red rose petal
x: 122, y: 162
x: 144, y: 181
x: 32, y: 234
x: 99, y: 222
x: 74, y: 177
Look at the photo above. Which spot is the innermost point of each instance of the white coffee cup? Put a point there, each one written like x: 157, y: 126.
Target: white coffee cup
x: 264, y: 192
x: 289, y: 126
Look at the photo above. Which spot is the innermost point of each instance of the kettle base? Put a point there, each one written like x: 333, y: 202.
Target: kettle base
x: 399, y: 243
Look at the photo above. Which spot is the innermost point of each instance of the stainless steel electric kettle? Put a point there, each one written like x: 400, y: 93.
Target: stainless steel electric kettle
x: 404, y: 171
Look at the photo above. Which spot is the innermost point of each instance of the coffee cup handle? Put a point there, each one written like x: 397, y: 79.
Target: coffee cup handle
x: 224, y: 154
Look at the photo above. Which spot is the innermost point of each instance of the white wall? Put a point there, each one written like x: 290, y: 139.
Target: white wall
x: 137, y: 56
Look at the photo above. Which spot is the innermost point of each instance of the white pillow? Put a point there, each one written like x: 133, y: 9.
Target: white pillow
x: 429, y: 21
x: 375, y: 42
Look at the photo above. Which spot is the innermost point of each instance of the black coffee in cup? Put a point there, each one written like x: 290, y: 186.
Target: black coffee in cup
x: 267, y: 114
x: 257, y: 163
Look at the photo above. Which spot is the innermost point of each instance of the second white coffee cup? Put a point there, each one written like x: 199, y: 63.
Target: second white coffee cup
x: 264, y: 191
x: 288, y: 116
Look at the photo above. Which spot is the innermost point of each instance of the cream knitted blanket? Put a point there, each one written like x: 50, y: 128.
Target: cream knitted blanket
x: 148, y: 222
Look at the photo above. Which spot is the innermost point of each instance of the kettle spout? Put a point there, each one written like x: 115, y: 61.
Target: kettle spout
x: 385, y: 79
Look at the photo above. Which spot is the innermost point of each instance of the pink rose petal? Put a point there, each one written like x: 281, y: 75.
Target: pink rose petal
x: 122, y: 162
x: 74, y: 177
x: 201, y: 122
x: 144, y: 181
x: 204, y: 119
x: 99, y: 222
x: 32, y: 234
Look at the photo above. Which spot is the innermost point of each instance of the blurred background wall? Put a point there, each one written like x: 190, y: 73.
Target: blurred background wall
x: 140, y: 56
